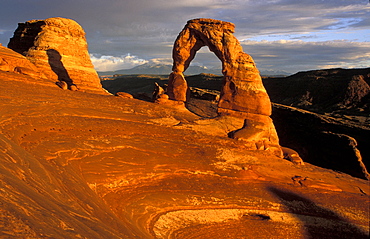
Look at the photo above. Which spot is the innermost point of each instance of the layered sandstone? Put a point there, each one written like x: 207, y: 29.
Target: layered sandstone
x: 58, y: 47
x: 242, y: 95
x: 75, y: 168
x: 11, y: 61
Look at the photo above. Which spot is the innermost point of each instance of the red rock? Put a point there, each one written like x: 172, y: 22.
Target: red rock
x: 292, y: 155
x: 243, y: 89
x: 242, y: 94
x: 124, y: 95
x: 62, y: 84
x: 177, y: 87
x: 95, y: 166
x: 12, y: 61
x: 158, y: 92
x: 58, y: 47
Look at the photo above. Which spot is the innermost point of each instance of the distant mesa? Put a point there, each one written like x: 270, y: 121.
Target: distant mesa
x: 330, y: 90
x: 58, y: 47
x: 242, y: 94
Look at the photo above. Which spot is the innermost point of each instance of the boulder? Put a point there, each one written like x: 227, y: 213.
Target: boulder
x: 58, y: 47
x: 62, y: 84
x: 158, y: 91
x: 124, y: 95
x: 242, y: 93
x: 292, y: 155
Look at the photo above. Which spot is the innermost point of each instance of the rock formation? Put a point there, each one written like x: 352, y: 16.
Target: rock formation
x: 323, y: 140
x: 242, y: 94
x: 308, y: 132
x: 57, y: 46
x: 124, y: 95
x: 344, y: 91
x: 90, y: 166
x: 158, y: 91
x: 12, y: 61
x: 292, y: 155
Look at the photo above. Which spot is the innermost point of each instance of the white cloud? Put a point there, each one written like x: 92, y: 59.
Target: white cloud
x: 112, y: 63
x: 298, y: 55
x: 166, y: 61
x: 147, y: 29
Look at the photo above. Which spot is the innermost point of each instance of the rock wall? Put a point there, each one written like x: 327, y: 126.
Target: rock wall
x: 324, y: 141
x: 242, y: 95
x: 58, y: 47
x: 344, y: 91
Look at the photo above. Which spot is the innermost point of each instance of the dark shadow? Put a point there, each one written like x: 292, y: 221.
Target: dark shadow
x: 25, y: 36
x: 304, y: 209
x: 56, y: 64
x: 322, y: 141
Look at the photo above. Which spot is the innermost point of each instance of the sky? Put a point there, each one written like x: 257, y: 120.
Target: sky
x: 280, y: 35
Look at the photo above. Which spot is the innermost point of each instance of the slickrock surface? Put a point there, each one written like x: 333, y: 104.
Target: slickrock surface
x: 80, y: 165
x: 242, y: 94
x: 58, y: 47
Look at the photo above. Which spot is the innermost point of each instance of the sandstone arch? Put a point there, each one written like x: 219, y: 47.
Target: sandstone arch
x: 242, y: 94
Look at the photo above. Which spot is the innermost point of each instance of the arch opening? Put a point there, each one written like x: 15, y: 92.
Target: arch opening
x: 206, y: 62
x: 204, y: 84
x: 242, y: 93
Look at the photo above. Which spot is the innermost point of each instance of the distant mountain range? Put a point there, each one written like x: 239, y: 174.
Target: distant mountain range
x: 165, y: 69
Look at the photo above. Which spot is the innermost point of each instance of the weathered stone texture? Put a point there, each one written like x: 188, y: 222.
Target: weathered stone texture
x: 12, y: 61
x: 243, y: 89
x: 58, y: 47
x: 242, y: 94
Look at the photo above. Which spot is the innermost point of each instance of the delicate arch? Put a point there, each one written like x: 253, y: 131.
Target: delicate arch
x: 242, y: 95
x: 242, y: 89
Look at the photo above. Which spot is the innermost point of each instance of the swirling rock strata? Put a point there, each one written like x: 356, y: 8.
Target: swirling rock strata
x: 58, y: 47
x: 75, y: 168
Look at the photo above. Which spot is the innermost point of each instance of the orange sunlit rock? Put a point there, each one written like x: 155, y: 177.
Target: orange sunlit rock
x: 82, y: 165
x: 242, y: 95
x: 58, y: 47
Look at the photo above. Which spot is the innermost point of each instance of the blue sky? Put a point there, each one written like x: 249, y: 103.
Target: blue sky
x: 287, y: 35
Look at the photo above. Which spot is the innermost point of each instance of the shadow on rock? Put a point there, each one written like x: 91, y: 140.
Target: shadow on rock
x: 318, y: 222
x: 56, y: 64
